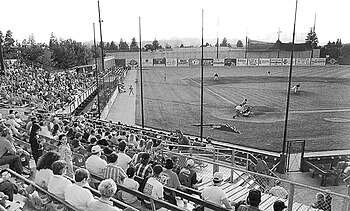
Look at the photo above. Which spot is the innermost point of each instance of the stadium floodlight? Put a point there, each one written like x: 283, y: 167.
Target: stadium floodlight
x: 282, y: 167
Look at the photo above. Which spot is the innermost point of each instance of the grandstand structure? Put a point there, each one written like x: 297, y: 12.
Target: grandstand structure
x: 237, y: 164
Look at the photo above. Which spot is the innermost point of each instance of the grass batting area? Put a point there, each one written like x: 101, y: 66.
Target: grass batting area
x: 319, y: 112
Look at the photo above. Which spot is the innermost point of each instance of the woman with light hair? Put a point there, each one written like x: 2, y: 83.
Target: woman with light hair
x: 107, y: 189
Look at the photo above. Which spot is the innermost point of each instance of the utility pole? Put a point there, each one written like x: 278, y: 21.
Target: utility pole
x: 101, y: 44
x: 141, y: 79
x: 96, y: 75
x: 217, y: 41
x: 202, y: 86
x: 282, y: 167
x: 312, y: 44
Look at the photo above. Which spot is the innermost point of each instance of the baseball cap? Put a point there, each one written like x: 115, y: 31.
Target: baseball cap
x: 96, y: 149
x: 279, y: 205
x: 218, y: 177
x: 190, y: 162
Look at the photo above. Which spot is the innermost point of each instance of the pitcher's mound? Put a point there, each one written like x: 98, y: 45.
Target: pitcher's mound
x: 259, y: 114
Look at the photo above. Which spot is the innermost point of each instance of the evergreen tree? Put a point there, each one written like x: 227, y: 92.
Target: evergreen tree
x: 133, y: 44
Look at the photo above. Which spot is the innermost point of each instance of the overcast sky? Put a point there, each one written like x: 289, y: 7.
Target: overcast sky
x: 164, y: 19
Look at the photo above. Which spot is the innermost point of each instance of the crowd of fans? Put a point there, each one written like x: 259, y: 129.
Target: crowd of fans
x: 48, y: 91
x: 115, y: 155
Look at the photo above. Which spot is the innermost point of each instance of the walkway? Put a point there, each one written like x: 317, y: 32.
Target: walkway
x: 123, y: 108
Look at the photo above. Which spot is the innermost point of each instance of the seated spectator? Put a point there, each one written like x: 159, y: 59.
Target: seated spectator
x: 58, y: 183
x: 154, y: 187
x: 6, y: 186
x: 261, y: 166
x: 95, y: 164
x: 215, y: 194
x: 279, y: 205
x: 188, y: 176
x: 278, y: 190
x: 107, y: 189
x: 76, y: 194
x: 144, y: 169
x: 124, y: 160
x: 44, y: 168
x: 8, y: 155
x: 253, y: 201
x: 171, y: 181
x: 113, y: 171
x: 320, y: 201
x: 131, y: 184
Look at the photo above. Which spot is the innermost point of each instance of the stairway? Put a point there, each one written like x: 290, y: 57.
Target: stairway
x: 83, y: 105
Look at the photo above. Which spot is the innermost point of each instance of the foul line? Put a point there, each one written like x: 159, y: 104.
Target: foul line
x: 214, y: 93
x: 321, y: 111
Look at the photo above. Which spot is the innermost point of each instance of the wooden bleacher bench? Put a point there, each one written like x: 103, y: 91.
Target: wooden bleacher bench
x: 55, y: 199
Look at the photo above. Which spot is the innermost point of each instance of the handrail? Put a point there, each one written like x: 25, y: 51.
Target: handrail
x: 143, y: 196
x: 56, y: 198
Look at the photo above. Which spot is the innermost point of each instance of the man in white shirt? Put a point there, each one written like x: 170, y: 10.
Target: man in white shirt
x: 58, y: 183
x: 278, y: 190
x: 76, y: 194
x: 123, y: 159
x: 95, y: 164
x: 154, y: 187
x: 215, y: 194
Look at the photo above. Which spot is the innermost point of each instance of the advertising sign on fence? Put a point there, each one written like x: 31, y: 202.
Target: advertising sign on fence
x: 132, y: 62
x: 171, y: 62
x: 241, y: 62
x: 120, y: 62
x: 218, y: 62
x: 264, y: 62
x: 318, y: 61
x: 230, y: 62
x: 195, y: 62
x: 183, y: 62
x: 207, y: 62
x: 275, y: 61
x: 147, y: 62
x: 159, y: 62
x: 253, y: 62
x: 302, y: 61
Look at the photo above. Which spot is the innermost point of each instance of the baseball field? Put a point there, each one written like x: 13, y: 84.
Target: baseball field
x: 319, y: 112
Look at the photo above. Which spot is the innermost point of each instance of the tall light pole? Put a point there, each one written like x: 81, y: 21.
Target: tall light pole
x: 96, y: 75
x: 101, y: 44
x: 282, y: 166
x: 202, y: 86
x: 141, y: 79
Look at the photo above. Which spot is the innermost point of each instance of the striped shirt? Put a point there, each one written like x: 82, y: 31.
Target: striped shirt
x: 114, y: 172
x: 143, y: 171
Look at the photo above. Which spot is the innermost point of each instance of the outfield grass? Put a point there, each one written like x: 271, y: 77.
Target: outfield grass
x: 319, y: 113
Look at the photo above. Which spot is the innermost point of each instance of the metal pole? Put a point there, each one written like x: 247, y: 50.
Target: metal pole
x: 246, y: 47
x: 283, y: 156
x: 2, y: 66
x: 101, y: 45
x: 96, y: 75
x: 141, y: 80
x: 201, y: 128
x: 217, y: 48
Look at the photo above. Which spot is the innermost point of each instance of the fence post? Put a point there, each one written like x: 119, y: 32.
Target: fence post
x: 291, y: 197
x: 215, y: 167
x: 233, y: 164
x: 346, y: 205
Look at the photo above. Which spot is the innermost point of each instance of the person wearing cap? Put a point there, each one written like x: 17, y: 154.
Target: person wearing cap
x: 215, y: 194
x: 113, y: 171
x: 95, y: 164
x: 154, y: 187
x: 188, y: 176
x: 253, y: 201
x: 124, y: 160
x: 278, y: 190
x: 279, y: 205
